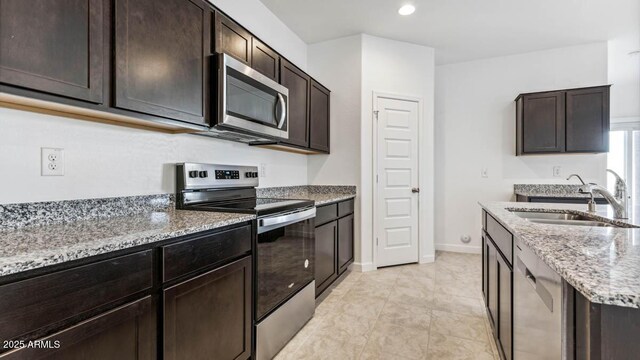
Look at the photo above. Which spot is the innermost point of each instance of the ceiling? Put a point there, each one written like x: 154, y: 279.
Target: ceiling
x: 462, y: 30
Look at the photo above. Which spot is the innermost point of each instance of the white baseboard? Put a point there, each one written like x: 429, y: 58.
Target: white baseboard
x: 363, y: 267
x: 427, y: 259
x: 470, y: 249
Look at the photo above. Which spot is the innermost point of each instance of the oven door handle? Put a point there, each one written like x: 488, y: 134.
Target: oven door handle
x: 275, y: 222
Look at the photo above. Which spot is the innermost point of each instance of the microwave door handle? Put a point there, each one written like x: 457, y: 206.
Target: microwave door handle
x: 281, y: 111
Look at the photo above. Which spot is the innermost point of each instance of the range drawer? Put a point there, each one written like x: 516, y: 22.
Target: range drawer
x: 345, y: 208
x: 326, y: 213
x: 200, y: 252
x: 46, y: 301
x: 501, y: 237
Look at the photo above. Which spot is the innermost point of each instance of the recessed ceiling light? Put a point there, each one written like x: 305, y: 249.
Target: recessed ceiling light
x: 406, y: 10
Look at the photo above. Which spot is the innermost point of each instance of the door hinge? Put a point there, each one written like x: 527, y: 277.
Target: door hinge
x: 375, y: 112
x: 376, y: 241
x: 376, y: 178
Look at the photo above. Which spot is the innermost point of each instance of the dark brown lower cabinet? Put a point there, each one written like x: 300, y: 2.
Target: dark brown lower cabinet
x: 334, y: 242
x: 209, y: 316
x: 492, y: 283
x: 326, y: 271
x: 505, y: 307
x: 345, y: 243
x: 127, y: 332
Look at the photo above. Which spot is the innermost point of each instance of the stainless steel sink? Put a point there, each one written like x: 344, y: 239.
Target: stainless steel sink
x: 571, y: 222
x: 562, y: 219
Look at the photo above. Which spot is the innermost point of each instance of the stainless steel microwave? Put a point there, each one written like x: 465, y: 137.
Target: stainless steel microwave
x: 250, y: 103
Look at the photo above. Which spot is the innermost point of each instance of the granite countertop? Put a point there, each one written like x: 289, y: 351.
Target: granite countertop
x: 36, y: 235
x: 32, y: 247
x: 550, y: 190
x: 602, y: 263
x: 320, y: 194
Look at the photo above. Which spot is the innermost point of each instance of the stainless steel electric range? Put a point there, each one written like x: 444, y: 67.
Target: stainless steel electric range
x: 283, y: 252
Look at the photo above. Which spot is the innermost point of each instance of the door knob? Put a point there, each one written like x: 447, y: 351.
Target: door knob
x: 415, y: 190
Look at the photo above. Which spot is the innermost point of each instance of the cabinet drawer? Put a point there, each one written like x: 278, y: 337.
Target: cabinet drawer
x: 197, y: 253
x: 326, y: 213
x: 345, y: 208
x: 127, y: 332
x: 501, y: 237
x: 484, y: 220
x: 46, y: 301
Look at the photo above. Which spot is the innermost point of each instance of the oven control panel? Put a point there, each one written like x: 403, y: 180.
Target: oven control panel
x: 212, y: 176
x: 227, y: 174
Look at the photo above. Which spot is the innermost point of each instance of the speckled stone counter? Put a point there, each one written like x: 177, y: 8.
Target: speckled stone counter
x: 321, y: 194
x: 36, y: 235
x: 602, y: 263
x: 550, y: 190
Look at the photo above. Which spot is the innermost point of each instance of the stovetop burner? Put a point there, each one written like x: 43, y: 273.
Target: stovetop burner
x: 258, y: 206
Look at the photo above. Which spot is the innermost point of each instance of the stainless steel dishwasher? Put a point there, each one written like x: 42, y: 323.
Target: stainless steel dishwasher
x: 541, y: 326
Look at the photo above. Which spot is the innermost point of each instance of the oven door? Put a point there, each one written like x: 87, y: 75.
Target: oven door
x: 250, y: 101
x: 285, y: 258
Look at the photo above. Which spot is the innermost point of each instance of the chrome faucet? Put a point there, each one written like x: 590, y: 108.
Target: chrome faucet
x: 618, y: 201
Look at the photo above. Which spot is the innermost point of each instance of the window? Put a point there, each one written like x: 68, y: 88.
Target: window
x: 624, y: 157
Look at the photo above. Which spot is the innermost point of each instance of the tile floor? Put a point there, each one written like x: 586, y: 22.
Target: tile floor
x: 430, y: 311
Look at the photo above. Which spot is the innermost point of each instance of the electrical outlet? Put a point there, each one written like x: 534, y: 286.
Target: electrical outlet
x: 263, y: 170
x: 484, y: 172
x: 557, y: 171
x: 52, y: 162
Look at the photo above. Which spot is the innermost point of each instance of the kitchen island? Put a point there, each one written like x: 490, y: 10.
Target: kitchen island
x: 596, y: 300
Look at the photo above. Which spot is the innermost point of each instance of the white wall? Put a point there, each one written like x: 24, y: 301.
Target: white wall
x: 353, y: 68
x: 106, y: 160
x: 624, y: 75
x: 395, y: 67
x: 337, y: 64
x: 475, y: 128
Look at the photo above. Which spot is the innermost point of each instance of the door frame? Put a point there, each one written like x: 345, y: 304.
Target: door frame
x: 374, y: 119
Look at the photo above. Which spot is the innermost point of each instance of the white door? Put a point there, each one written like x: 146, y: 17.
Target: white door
x: 397, y: 180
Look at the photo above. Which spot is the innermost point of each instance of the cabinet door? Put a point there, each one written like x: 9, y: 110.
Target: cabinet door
x: 209, y: 316
x: 588, y: 120
x: 505, y: 316
x: 127, y: 332
x: 161, y: 56
x: 53, y: 46
x: 265, y: 60
x: 326, y: 272
x: 543, y: 123
x: 298, y: 84
x: 319, y: 117
x: 345, y: 243
x: 492, y: 280
x: 232, y: 39
x: 485, y: 274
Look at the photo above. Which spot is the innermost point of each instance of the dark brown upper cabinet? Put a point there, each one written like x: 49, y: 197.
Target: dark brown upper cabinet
x: 232, y: 39
x: 319, y: 117
x: 53, y: 46
x: 298, y: 83
x: 563, y: 121
x: 265, y: 60
x: 588, y: 120
x: 162, y: 50
x: 541, y: 122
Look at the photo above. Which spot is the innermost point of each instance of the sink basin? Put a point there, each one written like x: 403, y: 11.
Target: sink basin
x: 571, y: 222
x: 549, y: 216
x: 561, y: 219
